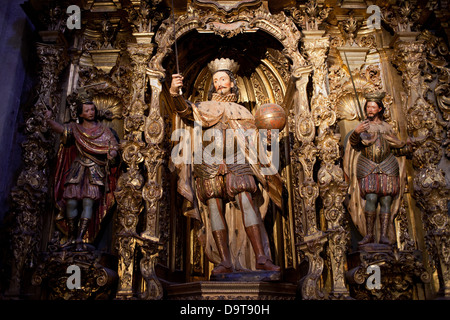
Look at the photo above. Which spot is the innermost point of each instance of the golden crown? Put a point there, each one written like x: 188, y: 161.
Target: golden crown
x: 376, y: 96
x: 83, y: 95
x: 223, y: 64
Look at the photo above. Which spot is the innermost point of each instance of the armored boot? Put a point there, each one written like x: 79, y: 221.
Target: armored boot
x: 384, y: 222
x: 72, y: 231
x: 370, y: 224
x: 262, y: 261
x: 221, y: 239
x: 84, y: 224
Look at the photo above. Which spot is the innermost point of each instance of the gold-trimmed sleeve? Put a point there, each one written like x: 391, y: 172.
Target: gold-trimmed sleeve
x: 183, y: 107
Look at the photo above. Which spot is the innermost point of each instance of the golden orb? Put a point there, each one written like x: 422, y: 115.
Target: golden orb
x: 270, y: 116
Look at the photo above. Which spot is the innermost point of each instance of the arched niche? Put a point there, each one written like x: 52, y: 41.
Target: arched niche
x: 266, y: 47
x: 262, y: 76
x: 279, y: 27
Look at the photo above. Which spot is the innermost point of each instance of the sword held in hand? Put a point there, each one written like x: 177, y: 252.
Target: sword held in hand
x: 354, y: 88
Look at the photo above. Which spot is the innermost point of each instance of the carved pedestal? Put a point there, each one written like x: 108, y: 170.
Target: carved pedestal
x: 251, y: 276
x: 218, y: 290
x: 308, y: 285
x: 76, y: 275
x: 399, y: 274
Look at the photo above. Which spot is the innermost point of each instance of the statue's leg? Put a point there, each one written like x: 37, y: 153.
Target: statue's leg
x: 252, y: 228
x: 71, y: 208
x: 385, y: 213
x: 72, y: 213
x: 215, y: 206
x: 86, y: 216
x: 370, y: 212
x: 220, y: 235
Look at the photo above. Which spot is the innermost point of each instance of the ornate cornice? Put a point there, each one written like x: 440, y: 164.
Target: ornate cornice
x: 220, y: 6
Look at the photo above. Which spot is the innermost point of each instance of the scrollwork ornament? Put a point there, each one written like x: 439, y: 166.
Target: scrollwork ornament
x: 129, y: 192
x: 308, y: 284
x: 330, y: 177
x: 154, y: 290
x: 430, y: 189
x: 199, y: 17
x: 305, y: 129
x: 29, y: 196
x: 99, y: 278
x: 405, y: 268
x: 310, y: 15
x: 403, y: 16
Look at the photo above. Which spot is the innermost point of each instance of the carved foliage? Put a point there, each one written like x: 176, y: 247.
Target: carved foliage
x: 234, y: 22
x: 310, y: 15
x: 129, y: 192
x: 399, y: 270
x: 30, y: 193
x: 96, y: 280
x: 430, y: 189
x: 330, y: 176
x: 402, y: 16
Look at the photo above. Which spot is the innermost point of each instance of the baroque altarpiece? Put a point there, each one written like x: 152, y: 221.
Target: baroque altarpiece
x: 317, y: 59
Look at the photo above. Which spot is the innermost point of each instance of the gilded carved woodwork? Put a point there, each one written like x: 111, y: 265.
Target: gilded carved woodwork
x: 402, y: 17
x: 96, y: 268
x: 152, y: 193
x: 136, y: 193
x: 29, y: 195
x: 309, y: 16
x: 429, y: 182
x: 404, y: 271
x: 145, y: 16
x: 123, y: 57
x: 349, y: 29
x: 197, y: 18
x: 305, y: 118
x: 330, y: 177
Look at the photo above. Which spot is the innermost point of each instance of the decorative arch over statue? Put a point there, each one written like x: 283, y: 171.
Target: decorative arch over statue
x: 279, y: 26
x: 244, y: 20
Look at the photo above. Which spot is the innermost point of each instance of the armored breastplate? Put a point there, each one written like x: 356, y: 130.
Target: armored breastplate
x: 377, y: 149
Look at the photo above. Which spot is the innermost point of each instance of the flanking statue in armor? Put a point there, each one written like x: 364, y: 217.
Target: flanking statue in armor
x: 85, y: 175
x: 379, y: 176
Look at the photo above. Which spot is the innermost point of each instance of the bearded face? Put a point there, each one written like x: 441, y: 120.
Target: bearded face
x: 372, y: 110
x: 222, y: 83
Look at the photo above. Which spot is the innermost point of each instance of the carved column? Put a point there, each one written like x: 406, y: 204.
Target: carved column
x: 430, y: 188
x: 314, y: 132
x: 154, y: 158
x: 332, y: 186
x: 29, y: 196
x: 310, y: 239
x: 144, y: 130
x: 129, y: 193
